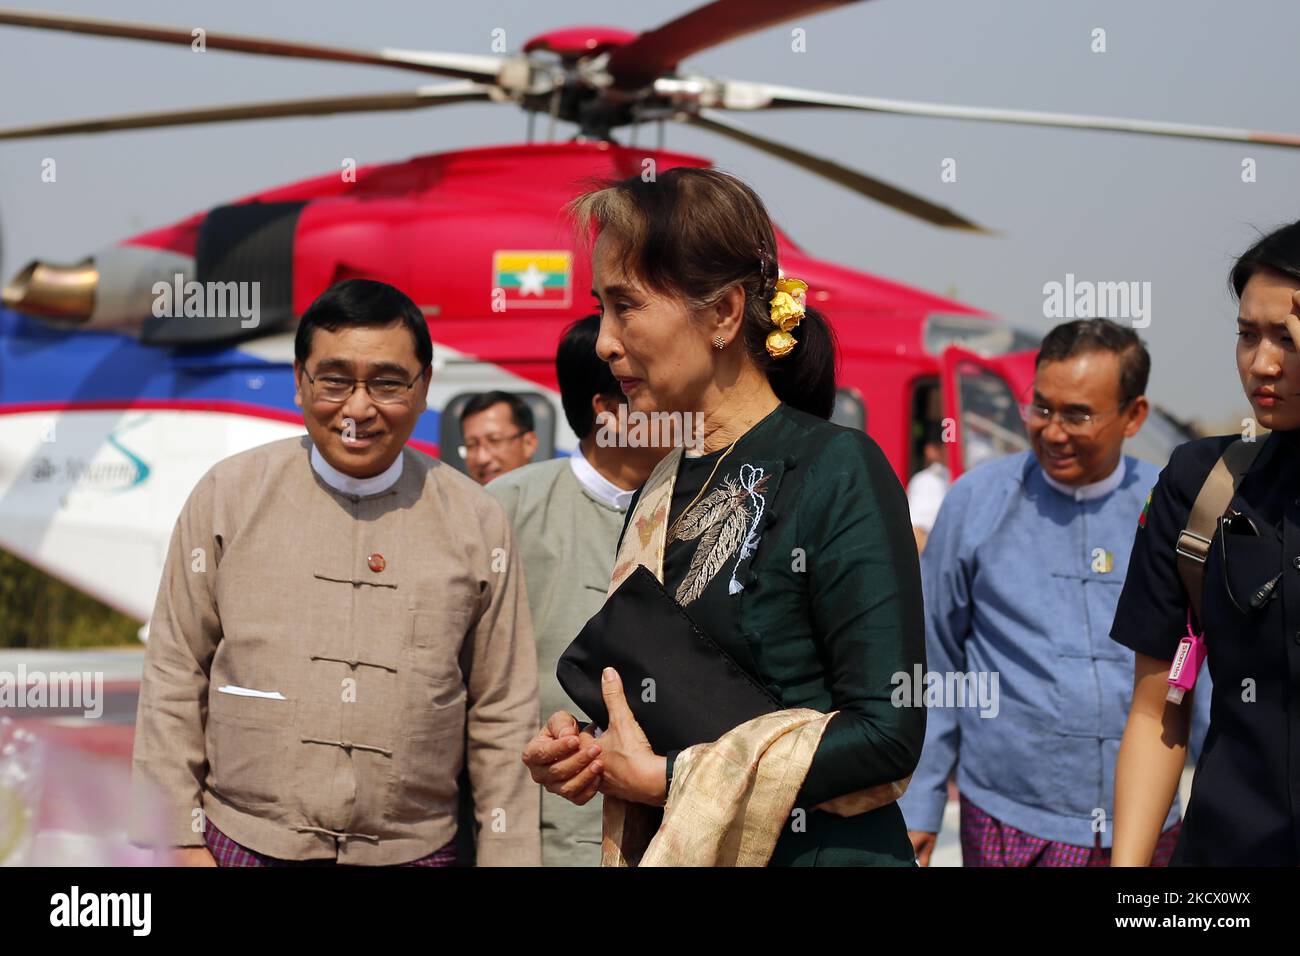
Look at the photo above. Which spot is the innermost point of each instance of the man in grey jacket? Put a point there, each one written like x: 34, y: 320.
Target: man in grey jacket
x: 567, y: 514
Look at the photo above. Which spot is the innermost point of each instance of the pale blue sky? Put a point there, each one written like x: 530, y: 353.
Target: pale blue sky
x: 1104, y: 206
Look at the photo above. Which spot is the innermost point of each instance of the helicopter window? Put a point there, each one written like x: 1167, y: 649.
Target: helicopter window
x: 926, y: 422
x: 990, y: 418
x: 980, y: 334
x: 449, y: 435
x: 850, y: 409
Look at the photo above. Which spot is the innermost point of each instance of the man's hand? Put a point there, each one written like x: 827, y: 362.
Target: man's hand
x: 563, y: 760
x: 630, y: 768
x: 922, y: 845
x: 192, y: 856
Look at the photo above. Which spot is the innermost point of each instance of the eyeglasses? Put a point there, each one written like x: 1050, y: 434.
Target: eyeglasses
x: 1074, y: 422
x: 493, y: 444
x: 384, y: 390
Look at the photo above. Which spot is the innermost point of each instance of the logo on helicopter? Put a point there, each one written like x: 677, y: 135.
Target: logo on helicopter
x: 86, y: 472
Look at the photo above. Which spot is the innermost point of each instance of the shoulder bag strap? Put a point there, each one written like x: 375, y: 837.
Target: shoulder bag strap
x: 1212, y: 501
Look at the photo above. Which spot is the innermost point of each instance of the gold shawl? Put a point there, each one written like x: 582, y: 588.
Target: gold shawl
x: 730, y: 799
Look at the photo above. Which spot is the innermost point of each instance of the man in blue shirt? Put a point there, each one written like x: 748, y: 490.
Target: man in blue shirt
x: 1022, y: 574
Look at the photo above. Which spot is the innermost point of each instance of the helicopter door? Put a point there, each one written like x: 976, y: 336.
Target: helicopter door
x: 981, y: 407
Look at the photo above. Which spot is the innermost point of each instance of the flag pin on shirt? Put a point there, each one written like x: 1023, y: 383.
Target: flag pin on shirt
x: 376, y: 562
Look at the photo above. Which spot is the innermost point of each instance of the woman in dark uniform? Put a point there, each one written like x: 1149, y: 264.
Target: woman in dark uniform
x: 1245, y: 802
x: 788, y: 539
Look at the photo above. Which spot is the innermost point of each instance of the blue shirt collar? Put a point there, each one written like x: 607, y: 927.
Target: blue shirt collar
x: 1097, y: 489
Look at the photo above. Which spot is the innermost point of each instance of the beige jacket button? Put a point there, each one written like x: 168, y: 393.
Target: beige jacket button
x: 376, y: 562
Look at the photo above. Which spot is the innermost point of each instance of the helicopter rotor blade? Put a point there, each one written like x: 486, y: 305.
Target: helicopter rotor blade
x: 484, y: 69
x: 758, y: 96
x: 869, y: 186
x: 362, y: 103
x: 658, y: 51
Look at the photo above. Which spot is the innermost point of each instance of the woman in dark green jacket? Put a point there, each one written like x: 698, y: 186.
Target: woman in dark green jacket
x: 788, y: 540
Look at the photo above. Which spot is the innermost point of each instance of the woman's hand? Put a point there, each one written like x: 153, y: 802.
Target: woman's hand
x: 1293, y: 317
x: 563, y: 760
x: 629, y: 768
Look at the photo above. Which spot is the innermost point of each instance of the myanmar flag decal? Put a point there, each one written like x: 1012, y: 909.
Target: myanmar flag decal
x: 1142, y: 521
x: 536, y: 279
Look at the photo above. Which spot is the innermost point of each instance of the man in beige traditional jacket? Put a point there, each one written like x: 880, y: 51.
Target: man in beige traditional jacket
x: 341, y: 626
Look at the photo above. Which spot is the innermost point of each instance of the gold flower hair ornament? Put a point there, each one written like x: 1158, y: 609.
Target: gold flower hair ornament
x: 787, y: 311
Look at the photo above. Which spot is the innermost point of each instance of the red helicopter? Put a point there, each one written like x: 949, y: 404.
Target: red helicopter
x: 125, y: 376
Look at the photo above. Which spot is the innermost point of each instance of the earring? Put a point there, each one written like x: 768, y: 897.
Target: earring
x: 719, y: 342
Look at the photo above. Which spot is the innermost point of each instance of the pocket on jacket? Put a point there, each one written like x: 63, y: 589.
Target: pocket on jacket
x: 246, y: 743
x: 424, y: 778
x: 434, y: 642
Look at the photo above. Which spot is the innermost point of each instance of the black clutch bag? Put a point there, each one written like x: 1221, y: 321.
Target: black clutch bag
x: 682, y: 687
